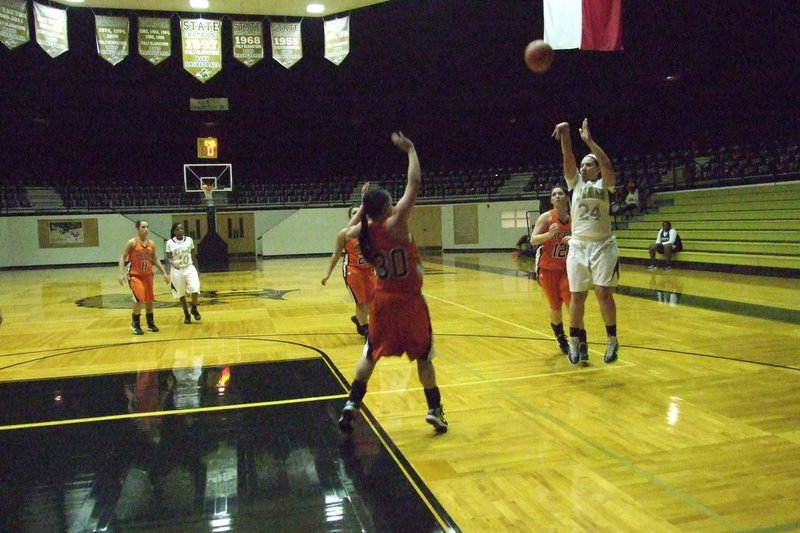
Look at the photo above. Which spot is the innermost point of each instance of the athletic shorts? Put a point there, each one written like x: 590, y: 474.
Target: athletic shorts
x: 142, y: 288
x: 555, y: 285
x: 361, y: 284
x: 399, y: 323
x: 592, y: 263
x: 184, y: 281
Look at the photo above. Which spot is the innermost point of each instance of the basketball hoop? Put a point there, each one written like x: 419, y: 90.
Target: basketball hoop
x: 208, y: 191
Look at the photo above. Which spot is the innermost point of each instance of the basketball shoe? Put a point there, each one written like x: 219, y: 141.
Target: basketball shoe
x: 612, y: 351
x: 563, y: 345
x: 435, y: 417
x: 573, y: 353
x: 349, y: 413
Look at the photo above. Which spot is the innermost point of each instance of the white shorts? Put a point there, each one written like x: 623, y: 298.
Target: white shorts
x: 592, y: 263
x: 184, y: 281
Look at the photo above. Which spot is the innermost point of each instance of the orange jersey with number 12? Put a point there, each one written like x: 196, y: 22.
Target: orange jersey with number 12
x: 352, y: 255
x: 554, y: 252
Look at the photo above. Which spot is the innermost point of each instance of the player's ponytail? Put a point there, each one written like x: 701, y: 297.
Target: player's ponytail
x: 375, y: 201
x: 364, y: 244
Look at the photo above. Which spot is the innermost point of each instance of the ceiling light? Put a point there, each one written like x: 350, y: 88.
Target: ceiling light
x: 199, y: 4
x: 315, y: 8
x: 75, y: 1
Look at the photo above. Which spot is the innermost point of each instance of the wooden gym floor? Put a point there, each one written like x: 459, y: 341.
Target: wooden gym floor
x: 695, y: 428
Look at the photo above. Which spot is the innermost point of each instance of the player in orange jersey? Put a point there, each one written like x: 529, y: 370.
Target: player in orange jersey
x: 358, y: 275
x: 399, y: 318
x: 552, y: 231
x: 136, y: 268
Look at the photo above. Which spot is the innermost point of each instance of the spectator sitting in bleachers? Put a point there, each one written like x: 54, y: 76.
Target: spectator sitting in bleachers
x: 668, y: 243
x: 631, y: 199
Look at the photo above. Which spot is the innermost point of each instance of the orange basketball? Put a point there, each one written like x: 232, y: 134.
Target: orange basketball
x: 539, y: 56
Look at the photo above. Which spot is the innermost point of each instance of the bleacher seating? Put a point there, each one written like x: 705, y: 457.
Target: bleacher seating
x: 749, y: 228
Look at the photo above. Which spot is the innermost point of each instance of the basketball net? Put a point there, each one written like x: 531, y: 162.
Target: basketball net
x: 208, y: 192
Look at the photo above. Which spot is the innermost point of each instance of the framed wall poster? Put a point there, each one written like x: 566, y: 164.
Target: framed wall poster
x: 68, y: 233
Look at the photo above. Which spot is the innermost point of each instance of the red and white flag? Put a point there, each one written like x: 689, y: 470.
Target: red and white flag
x: 584, y: 24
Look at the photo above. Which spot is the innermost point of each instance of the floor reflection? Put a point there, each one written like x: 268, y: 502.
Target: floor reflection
x: 178, y: 465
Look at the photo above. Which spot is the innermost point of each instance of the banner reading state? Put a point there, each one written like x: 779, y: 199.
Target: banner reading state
x: 14, y: 23
x: 287, y: 44
x: 202, y: 51
x: 155, y: 39
x: 248, y: 41
x: 50, y: 25
x: 112, y: 37
x: 337, y: 39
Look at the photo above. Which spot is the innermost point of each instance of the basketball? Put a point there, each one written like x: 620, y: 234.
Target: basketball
x: 539, y: 56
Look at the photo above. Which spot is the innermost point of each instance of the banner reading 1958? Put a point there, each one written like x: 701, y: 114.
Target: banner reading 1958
x: 202, y: 51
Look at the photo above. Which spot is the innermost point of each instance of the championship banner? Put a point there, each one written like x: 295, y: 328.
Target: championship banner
x: 50, y: 25
x: 14, y: 23
x: 155, y: 39
x: 201, y: 41
x: 112, y: 37
x: 287, y: 44
x: 337, y: 40
x: 248, y: 41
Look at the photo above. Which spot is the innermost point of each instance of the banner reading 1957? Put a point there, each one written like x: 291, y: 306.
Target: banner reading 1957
x: 202, y: 51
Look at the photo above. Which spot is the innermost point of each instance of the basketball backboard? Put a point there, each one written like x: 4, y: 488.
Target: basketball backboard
x: 201, y: 177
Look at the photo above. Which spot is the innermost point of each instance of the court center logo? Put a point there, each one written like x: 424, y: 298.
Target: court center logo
x: 123, y: 301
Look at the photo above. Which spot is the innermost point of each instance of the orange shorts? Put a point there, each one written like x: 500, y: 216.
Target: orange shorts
x: 555, y: 285
x: 361, y: 284
x: 142, y: 288
x: 399, y: 323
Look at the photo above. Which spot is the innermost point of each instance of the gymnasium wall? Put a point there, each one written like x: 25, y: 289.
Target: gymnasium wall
x: 282, y: 233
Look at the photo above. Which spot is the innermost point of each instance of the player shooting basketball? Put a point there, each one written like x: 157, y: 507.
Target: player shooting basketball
x: 399, y: 318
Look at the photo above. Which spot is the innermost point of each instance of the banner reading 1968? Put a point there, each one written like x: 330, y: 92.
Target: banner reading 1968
x: 202, y: 51
x: 248, y: 41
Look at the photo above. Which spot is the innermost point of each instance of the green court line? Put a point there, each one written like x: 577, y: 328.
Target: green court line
x: 790, y: 316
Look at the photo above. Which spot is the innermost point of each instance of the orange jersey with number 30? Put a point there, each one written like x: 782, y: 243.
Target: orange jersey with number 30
x: 397, y: 265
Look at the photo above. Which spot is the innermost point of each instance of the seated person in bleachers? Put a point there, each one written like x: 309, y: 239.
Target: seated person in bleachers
x: 617, y: 207
x: 668, y: 243
x: 631, y: 200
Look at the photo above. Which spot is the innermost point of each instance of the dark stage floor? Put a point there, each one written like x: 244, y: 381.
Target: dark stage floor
x: 184, y: 450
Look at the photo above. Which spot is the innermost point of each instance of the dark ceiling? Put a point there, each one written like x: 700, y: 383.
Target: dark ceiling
x: 449, y: 73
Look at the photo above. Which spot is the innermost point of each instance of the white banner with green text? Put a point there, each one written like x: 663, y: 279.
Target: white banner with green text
x: 287, y: 43
x: 112, y: 37
x: 50, y: 25
x: 201, y: 40
x: 337, y: 39
x: 14, y: 23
